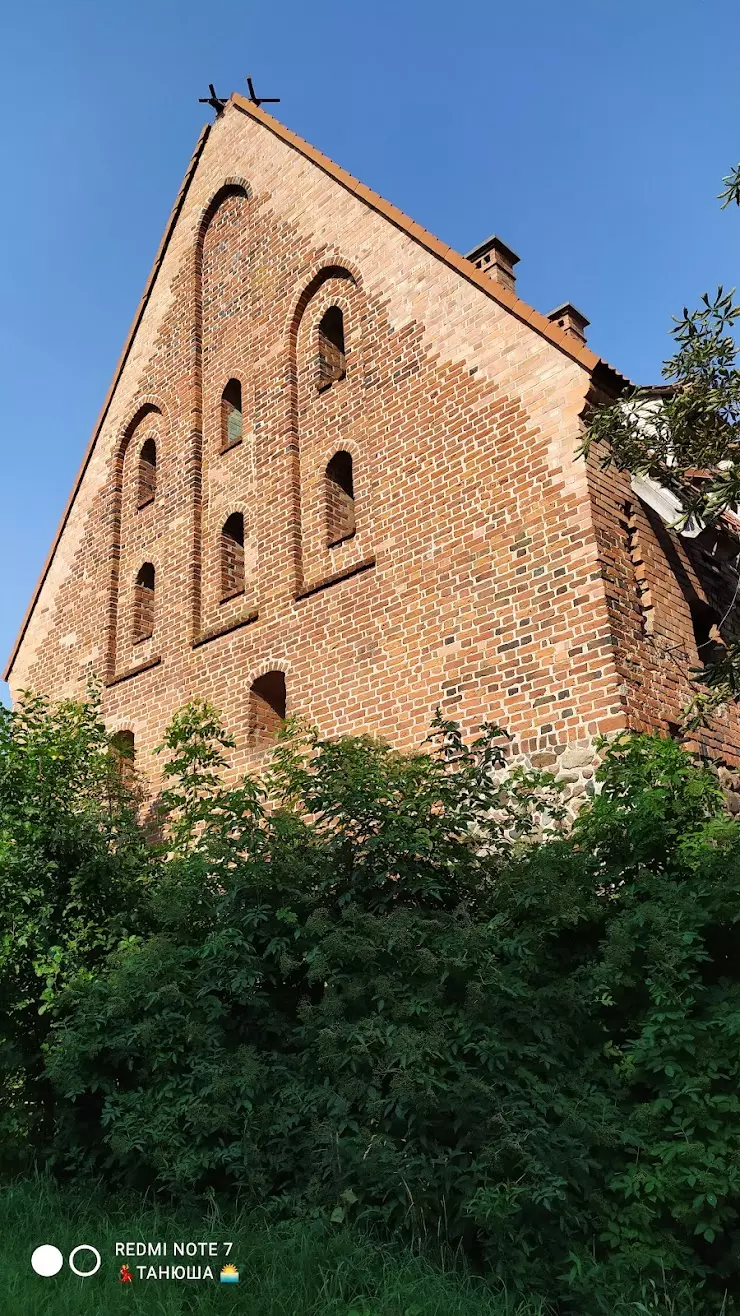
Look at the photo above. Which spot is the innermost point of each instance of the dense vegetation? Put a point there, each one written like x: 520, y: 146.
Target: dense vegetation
x: 687, y: 440
x: 384, y: 992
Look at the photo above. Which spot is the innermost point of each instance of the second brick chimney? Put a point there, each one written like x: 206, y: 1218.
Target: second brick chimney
x: 569, y: 318
x: 497, y: 260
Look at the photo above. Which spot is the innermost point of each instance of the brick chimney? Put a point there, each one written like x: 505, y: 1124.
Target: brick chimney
x: 569, y: 318
x: 496, y: 260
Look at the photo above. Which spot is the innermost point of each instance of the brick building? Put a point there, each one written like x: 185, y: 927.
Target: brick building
x: 336, y: 474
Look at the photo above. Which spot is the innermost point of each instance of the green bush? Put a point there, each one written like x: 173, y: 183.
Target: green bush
x: 74, y: 863
x: 375, y: 988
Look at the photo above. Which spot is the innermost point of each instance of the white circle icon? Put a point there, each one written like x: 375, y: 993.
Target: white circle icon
x: 84, y: 1247
x: 47, y: 1260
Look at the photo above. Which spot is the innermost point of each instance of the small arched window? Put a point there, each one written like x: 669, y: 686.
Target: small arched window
x: 144, y: 603
x: 709, y: 643
x: 147, y: 472
x: 123, y: 747
x: 340, y: 499
x: 232, y: 557
x: 332, y: 364
x: 267, y: 703
x: 231, y: 415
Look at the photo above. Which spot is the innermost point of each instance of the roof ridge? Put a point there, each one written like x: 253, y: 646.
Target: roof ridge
x: 578, y: 352
x: 584, y: 356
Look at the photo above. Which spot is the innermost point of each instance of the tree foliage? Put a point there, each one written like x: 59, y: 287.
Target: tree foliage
x: 686, y: 437
x: 732, y: 188
x: 74, y: 863
x: 390, y: 989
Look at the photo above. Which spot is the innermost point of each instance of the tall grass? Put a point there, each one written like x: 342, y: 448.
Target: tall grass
x: 285, y: 1270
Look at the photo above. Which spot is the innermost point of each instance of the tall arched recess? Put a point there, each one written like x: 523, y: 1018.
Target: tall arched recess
x: 342, y: 274
x: 221, y: 297
x: 148, y: 419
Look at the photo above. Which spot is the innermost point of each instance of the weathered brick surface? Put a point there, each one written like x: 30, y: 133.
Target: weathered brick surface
x: 484, y: 574
x: 652, y: 576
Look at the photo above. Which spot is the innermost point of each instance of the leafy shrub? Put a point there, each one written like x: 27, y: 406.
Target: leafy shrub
x: 373, y: 988
x: 73, y: 865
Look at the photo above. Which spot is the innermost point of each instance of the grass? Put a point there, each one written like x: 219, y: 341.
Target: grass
x: 284, y: 1270
x: 289, y: 1269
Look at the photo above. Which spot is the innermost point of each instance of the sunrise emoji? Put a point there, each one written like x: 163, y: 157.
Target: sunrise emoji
x: 229, y: 1275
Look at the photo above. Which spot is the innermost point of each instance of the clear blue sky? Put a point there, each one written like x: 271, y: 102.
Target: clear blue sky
x: 592, y: 137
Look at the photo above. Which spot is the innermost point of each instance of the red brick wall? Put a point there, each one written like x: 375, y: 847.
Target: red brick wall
x: 652, y: 575
x: 473, y: 580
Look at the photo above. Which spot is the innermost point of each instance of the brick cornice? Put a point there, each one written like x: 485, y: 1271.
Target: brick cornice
x: 356, y: 569
x: 136, y: 670
x: 225, y: 628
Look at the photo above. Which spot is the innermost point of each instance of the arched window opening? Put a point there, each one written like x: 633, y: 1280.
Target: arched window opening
x: 332, y: 364
x: 232, y: 557
x: 144, y: 603
x: 267, y: 701
x: 147, y: 472
x: 123, y: 748
x: 709, y: 643
x: 231, y: 415
x: 340, y: 499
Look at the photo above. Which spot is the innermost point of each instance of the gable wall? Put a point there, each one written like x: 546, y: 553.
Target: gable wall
x: 473, y: 579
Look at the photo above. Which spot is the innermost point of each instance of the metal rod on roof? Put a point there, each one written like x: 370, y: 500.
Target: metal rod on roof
x: 260, y: 100
x: 216, y: 102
